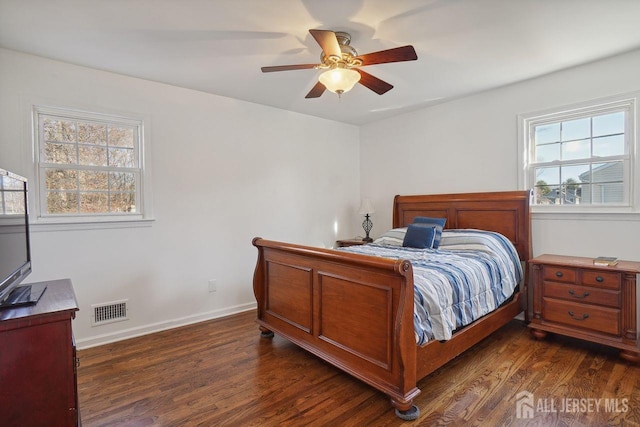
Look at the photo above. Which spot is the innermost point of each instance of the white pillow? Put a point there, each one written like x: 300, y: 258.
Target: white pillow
x: 393, y: 237
x: 467, y: 239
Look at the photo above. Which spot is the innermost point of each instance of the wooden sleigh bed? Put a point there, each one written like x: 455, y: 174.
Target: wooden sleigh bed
x: 356, y: 311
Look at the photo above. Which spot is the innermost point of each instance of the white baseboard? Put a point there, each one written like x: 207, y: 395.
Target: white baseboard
x: 161, y: 326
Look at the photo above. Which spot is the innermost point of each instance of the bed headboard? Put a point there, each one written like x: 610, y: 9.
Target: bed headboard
x: 505, y: 212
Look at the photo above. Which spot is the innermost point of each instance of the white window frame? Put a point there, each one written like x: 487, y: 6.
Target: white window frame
x: 526, y: 180
x: 118, y: 219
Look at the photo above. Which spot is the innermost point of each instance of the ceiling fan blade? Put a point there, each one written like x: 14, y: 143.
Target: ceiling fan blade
x: 328, y: 42
x: 287, y: 67
x: 375, y: 84
x: 316, y: 91
x: 398, y: 54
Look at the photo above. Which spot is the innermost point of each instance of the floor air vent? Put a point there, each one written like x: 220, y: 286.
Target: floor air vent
x: 109, y: 312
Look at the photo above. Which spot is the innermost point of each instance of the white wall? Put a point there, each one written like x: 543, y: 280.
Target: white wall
x: 223, y: 172
x: 470, y: 144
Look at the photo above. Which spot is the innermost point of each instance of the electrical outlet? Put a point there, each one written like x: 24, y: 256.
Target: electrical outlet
x: 213, y: 285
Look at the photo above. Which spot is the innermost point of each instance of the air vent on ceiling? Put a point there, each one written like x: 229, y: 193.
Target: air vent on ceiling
x: 109, y: 312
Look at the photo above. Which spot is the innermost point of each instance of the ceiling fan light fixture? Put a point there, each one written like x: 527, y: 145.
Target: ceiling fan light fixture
x: 339, y: 80
x: 339, y: 58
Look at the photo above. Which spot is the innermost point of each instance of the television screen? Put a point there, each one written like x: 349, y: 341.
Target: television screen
x: 15, y: 259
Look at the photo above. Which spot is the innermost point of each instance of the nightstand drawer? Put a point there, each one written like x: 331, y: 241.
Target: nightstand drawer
x: 582, y: 294
x: 585, y: 316
x: 602, y: 279
x: 559, y: 274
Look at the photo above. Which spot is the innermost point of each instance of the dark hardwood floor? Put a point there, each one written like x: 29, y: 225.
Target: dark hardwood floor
x: 221, y: 372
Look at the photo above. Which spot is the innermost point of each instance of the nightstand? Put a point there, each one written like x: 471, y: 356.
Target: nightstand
x: 574, y: 297
x: 350, y: 242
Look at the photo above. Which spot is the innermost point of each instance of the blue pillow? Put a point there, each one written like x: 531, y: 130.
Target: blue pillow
x: 419, y: 236
x: 438, y: 223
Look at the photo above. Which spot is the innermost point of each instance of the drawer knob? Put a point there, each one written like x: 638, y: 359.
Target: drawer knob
x: 599, y: 279
x: 573, y: 316
x: 558, y: 273
x: 584, y: 295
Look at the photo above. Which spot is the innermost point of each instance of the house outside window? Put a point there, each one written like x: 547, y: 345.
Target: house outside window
x: 580, y: 158
x: 89, y: 165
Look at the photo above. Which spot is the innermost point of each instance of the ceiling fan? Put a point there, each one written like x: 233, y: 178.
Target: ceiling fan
x: 343, y: 63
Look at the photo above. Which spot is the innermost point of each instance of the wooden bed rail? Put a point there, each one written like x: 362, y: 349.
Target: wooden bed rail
x: 354, y: 311
x: 333, y: 255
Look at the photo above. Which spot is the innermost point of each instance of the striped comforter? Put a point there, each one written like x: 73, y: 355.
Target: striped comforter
x: 468, y: 276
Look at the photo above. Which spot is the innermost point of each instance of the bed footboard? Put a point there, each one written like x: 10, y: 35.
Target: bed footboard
x: 353, y: 311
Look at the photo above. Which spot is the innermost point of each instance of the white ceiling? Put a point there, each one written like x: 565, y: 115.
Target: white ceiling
x: 218, y: 46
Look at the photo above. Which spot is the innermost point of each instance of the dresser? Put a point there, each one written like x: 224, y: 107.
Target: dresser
x: 38, y: 384
x: 573, y: 297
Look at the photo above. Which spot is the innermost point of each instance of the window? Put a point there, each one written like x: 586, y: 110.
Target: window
x: 580, y: 159
x: 11, y: 195
x: 89, y: 164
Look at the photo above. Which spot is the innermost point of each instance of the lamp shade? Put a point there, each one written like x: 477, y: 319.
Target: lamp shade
x: 366, y: 207
x: 339, y: 80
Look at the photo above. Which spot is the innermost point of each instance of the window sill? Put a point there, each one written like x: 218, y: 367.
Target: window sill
x: 585, y: 215
x: 84, y: 223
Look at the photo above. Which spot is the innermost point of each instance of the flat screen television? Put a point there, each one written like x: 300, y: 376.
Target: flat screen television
x: 15, y: 251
